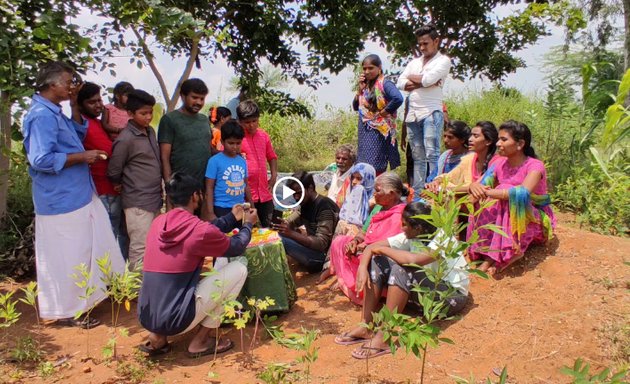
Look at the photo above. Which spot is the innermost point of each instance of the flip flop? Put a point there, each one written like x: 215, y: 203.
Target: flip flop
x: 151, y: 351
x: 210, y: 351
x: 82, y: 322
x: 379, y: 352
x: 350, y: 339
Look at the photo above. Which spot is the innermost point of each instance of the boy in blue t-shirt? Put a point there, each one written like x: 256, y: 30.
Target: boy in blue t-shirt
x: 226, y: 174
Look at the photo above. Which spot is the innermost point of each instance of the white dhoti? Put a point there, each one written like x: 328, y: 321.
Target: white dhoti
x: 62, y: 243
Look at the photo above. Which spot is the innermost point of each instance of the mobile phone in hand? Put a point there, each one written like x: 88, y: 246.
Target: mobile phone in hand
x: 276, y: 216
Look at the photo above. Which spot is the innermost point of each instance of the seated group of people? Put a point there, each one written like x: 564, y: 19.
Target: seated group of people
x: 376, y: 236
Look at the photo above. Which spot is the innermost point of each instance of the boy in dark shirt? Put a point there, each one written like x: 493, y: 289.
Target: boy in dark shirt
x: 319, y: 215
x: 135, y: 167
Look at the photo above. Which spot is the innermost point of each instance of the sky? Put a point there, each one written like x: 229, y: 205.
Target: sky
x: 336, y: 94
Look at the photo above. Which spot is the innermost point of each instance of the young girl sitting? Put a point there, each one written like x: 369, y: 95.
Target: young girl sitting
x: 356, y: 206
x: 456, y: 137
x: 383, y: 265
x: 115, y: 115
x: 218, y: 116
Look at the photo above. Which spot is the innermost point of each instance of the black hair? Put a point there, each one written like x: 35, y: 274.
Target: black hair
x: 181, y: 187
x: 490, y: 133
x: 427, y: 29
x: 137, y: 99
x: 232, y: 130
x: 247, y: 109
x: 49, y: 74
x: 520, y: 131
x: 122, y: 88
x: 371, y: 95
x: 193, y: 85
x: 87, y: 90
x: 459, y: 129
x: 218, y: 113
x: 373, y: 59
x: 305, y: 178
x: 417, y: 209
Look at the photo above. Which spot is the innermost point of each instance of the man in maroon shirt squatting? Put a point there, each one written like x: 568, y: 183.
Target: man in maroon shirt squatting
x: 173, y: 299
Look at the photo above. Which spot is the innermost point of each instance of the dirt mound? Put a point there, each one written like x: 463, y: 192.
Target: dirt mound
x: 565, y: 300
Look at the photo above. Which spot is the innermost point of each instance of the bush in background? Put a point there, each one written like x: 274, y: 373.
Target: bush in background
x: 16, y: 229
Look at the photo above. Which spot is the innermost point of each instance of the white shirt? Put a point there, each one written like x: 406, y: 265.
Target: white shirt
x: 428, y: 98
x: 457, y: 274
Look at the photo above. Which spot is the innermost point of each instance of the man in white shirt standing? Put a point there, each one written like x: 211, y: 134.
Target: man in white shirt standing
x: 424, y: 78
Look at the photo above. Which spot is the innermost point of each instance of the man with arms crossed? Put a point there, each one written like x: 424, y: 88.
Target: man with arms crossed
x: 424, y: 78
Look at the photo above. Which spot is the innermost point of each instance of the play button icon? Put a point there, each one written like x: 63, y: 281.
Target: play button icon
x: 286, y: 192
x: 285, y: 196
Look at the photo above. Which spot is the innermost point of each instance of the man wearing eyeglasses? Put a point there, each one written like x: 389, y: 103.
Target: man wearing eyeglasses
x: 71, y: 225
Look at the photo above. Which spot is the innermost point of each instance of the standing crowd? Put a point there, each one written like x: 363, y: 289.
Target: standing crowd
x: 99, y: 179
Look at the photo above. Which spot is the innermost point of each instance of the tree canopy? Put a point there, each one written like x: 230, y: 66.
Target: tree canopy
x: 247, y: 32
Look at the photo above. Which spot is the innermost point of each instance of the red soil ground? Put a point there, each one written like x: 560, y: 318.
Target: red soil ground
x: 565, y: 300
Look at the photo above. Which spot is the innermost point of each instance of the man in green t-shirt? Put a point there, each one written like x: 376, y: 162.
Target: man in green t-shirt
x: 184, y: 134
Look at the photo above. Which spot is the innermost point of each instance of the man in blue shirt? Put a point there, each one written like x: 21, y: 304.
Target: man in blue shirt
x: 71, y: 224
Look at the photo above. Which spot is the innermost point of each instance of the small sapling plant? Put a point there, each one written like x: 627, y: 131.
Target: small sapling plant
x: 82, y: 280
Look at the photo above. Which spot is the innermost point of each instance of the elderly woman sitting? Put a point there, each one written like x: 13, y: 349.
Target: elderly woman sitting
x: 384, y: 221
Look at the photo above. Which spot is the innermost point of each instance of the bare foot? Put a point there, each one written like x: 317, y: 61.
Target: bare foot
x: 335, y: 286
x: 324, y: 276
x: 483, y: 267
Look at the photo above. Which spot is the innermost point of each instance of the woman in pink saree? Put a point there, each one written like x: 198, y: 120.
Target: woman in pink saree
x: 517, y: 183
x: 345, y: 251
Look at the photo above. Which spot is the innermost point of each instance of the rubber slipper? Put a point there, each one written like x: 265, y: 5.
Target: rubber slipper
x: 379, y: 352
x: 151, y: 351
x: 350, y: 339
x: 82, y: 322
x: 211, y: 350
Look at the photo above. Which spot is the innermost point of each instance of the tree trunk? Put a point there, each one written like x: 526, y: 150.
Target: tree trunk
x: 5, y: 150
x: 626, y: 44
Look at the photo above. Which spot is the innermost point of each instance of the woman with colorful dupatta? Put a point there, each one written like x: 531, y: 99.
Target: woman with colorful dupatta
x: 345, y: 251
x: 482, y: 143
x: 377, y: 100
x: 518, y: 184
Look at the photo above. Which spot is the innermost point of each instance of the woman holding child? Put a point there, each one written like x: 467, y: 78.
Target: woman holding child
x: 377, y: 100
x: 517, y: 182
x: 345, y: 251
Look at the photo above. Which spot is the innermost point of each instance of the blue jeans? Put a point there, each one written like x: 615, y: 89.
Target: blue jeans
x: 424, y: 138
x: 311, y: 259
x: 113, y: 206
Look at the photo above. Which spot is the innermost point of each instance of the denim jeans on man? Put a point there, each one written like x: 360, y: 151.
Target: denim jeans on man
x: 311, y: 259
x: 424, y: 137
x: 113, y: 206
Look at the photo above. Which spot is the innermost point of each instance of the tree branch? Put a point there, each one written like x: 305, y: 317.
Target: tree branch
x: 194, y: 51
x: 150, y: 59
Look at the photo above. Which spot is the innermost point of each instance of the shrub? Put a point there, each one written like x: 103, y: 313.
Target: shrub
x: 308, y: 144
x: 17, y: 257
x: 601, y: 203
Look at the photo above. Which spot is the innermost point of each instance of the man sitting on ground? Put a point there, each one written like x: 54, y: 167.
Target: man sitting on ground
x: 173, y: 299
x: 319, y: 215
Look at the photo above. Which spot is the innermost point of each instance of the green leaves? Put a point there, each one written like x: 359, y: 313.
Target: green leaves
x: 581, y: 374
x: 8, y: 313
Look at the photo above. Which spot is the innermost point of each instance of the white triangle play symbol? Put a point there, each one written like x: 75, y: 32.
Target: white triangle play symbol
x: 286, y: 192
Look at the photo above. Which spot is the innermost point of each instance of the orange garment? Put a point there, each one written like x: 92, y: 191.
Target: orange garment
x: 216, y: 139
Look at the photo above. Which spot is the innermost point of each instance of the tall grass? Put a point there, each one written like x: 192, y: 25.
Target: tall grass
x: 309, y: 144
